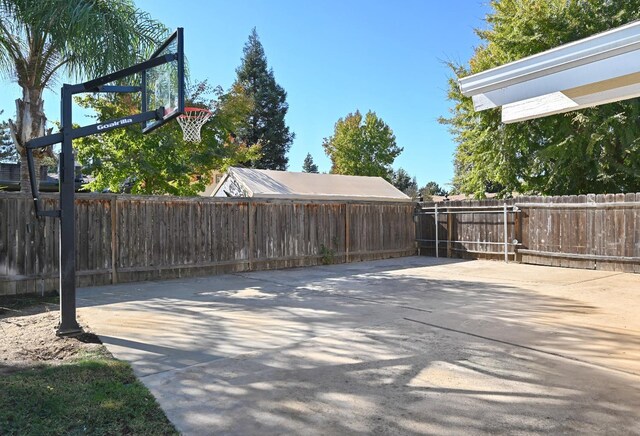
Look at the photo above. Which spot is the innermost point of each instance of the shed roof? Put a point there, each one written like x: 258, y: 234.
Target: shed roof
x: 311, y: 186
x: 602, y: 68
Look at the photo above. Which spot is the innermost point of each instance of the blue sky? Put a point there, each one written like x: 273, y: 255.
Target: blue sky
x: 333, y: 57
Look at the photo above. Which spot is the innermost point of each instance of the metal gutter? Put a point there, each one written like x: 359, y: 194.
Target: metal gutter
x: 601, y: 46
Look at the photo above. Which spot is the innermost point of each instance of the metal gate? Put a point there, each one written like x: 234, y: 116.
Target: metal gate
x: 454, y: 231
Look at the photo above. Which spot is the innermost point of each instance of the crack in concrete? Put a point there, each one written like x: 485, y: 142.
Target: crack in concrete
x: 526, y: 347
x: 593, y: 280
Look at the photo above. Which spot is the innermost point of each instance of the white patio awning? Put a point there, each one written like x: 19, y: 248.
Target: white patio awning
x: 600, y: 69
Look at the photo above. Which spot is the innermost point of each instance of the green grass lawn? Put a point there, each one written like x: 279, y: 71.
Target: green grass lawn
x: 94, y: 395
x: 91, y: 394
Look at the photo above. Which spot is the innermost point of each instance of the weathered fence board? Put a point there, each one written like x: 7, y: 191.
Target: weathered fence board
x: 585, y: 231
x: 123, y: 238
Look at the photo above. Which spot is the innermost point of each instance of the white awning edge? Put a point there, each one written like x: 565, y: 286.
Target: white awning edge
x: 603, y: 45
x: 532, y: 87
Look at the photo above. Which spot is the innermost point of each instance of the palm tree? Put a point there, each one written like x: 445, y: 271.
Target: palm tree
x: 83, y: 38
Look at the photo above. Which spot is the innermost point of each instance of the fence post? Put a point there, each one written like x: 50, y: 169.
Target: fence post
x: 347, y: 232
x: 450, y: 218
x: 506, y: 235
x: 114, y: 239
x: 251, y: 235
x: 437, y: 239
x: 517, y: 231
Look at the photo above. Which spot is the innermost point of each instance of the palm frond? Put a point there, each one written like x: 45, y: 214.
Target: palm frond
x: 87, y: 37
x: 107, y: 36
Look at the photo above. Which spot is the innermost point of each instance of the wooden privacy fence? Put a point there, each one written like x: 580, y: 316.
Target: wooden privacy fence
x: 579, y: 231
x: 122, y: 238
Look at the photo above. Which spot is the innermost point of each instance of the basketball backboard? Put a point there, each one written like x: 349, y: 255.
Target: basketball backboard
x: 163, y: 85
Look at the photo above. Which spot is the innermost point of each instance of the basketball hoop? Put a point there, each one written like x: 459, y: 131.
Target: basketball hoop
x: 192, y: 121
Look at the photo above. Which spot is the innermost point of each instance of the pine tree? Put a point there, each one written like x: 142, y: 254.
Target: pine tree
x: 308, y: 166
x: 266, y: 125
x: 431, y: 189
x: 403, y: 181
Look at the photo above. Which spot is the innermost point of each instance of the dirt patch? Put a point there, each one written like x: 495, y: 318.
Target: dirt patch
x: 28, y: 338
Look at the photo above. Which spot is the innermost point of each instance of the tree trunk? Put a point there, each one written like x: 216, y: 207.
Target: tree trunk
x: 30, y: 124
x: 24, y: 174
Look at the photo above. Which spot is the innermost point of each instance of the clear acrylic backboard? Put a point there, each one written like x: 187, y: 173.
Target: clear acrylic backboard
x: 163, y: 85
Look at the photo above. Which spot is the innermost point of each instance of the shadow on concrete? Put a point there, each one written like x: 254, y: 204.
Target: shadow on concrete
x: 368, y: 348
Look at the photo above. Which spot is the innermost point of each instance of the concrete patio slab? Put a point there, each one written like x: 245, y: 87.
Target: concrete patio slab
x: 404, y: 346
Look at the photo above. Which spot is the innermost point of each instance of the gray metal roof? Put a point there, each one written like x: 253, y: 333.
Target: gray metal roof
x: 310, y: 186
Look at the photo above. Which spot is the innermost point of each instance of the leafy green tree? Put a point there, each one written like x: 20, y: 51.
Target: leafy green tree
x: 266, y: 121
x: 308, y: 166
x: 593, y: 150
x: 162, y: 162
x: 404, y: 182
x: 85, y: 38
x: 362, y: 147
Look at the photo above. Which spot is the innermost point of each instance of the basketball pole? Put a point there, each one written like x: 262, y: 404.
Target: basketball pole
x: 68, y: 323
x: 67, y: 180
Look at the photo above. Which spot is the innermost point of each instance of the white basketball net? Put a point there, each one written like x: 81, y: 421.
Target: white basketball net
x: 192, y: 121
